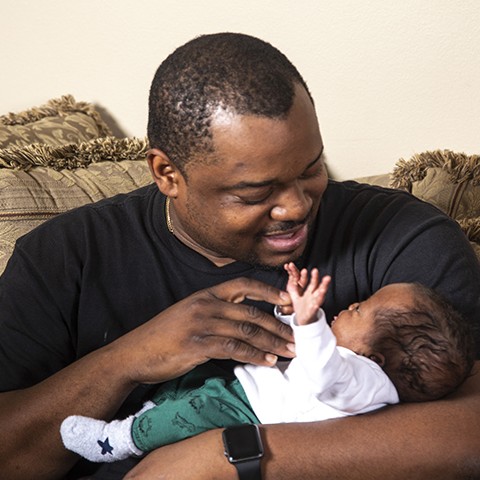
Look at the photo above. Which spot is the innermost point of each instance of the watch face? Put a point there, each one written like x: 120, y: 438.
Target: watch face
x: 242, y: 442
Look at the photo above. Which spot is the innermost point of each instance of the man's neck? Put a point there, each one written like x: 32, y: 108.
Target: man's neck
x: 175, y: 227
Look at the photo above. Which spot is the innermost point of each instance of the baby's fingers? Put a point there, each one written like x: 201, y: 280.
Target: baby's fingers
x: 322, y: 289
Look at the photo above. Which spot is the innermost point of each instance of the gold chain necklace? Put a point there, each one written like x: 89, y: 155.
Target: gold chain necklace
x: 167, y: 215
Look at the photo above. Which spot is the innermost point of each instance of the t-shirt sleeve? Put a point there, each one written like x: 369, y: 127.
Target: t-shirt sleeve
x: 369, y: 237
x: 435, y: 252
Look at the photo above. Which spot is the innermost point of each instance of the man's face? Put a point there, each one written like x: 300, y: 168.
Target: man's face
x: 256, y: 199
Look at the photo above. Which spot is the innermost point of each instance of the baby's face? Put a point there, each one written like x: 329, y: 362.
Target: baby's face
x: 353, y: 327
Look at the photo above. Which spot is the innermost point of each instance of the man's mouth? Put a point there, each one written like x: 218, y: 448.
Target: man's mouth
x: 287, y: 241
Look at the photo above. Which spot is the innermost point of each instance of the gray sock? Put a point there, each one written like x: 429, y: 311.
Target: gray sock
x: 99, y: 441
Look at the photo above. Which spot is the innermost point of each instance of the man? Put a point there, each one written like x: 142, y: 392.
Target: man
x: 104, y: 301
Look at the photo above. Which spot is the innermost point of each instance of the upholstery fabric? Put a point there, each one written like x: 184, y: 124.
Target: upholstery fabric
x: 92, y: 170
x: 382, y: 180
x: 58, y: 122
x: 448, y: 180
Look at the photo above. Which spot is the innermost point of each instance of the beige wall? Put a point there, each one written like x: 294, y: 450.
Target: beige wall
x: 390, y: 78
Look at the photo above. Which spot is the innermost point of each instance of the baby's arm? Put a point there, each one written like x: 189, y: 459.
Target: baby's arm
x: 306, y: 299
x: 346, y: 382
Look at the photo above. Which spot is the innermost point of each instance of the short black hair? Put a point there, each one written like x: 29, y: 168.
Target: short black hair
x: 233, y: 71
x: 429, y: 350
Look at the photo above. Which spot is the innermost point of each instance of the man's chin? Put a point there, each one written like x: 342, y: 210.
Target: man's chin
x: 273, y: 262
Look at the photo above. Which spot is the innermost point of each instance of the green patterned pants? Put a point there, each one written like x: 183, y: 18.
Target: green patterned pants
x: 207, y: 397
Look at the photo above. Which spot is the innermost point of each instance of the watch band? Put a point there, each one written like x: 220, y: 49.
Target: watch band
x: 249, y: 469
x: 244, y: 450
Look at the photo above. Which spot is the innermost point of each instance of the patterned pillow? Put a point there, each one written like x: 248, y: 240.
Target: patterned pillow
x: 60, y: 121
x: 450, y: 181
x: 41, y: 181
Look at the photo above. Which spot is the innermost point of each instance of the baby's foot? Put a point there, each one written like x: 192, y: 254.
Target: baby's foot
x: 99, y: 441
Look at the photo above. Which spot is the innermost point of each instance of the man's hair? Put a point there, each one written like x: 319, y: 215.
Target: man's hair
x: 429, y: 350
x: 235, y: 72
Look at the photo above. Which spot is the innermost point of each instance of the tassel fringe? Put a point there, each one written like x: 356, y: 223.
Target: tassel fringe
x: 73, y: 155
x: 53, y: 108
x: 460, y: 167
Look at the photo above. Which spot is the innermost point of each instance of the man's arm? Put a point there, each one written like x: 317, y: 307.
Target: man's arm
x: 211, y: 323
x: 438, y: 440
x: 31, y: 446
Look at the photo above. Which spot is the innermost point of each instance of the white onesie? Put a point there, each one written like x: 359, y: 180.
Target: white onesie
x: 323, y: 380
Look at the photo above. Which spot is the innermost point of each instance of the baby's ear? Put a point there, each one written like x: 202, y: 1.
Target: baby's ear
x: 377, y: 358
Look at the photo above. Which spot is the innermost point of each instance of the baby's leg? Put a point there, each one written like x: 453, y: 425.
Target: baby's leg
x: 217, y: 403
x: 99, y: 441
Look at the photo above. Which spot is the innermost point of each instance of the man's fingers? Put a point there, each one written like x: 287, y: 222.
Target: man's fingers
x: 231, y: 348
x: 240, y: 289
x: 242, y: 322
x: 252, y: 334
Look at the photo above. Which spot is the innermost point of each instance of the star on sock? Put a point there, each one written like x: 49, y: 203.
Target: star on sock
x: 106, y: 447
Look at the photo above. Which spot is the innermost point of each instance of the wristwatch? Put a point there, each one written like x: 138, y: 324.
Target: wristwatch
x: 244, y: 450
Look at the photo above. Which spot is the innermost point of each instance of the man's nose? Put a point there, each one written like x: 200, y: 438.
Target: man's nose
x: 292, y: 204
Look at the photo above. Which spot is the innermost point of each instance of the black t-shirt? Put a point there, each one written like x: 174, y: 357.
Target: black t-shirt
x: 86, y: 277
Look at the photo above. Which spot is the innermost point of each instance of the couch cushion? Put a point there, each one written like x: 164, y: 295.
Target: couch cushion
x: 41, y: 181
x: 450, y: 181
x: 58, y: 122
x: 382, y: 179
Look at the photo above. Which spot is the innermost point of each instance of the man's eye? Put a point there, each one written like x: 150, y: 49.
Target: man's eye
x: 255, y: 199
x: 315, y: 171
x: 253, y: 202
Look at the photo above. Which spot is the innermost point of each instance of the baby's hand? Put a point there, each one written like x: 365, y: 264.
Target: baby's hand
x: 296, y: 281
x: 306, y: 299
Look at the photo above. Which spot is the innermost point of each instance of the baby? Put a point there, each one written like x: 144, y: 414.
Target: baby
x: 404, y: 343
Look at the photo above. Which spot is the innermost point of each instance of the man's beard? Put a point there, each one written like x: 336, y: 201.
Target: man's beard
x: 251, y: 257
x: 256, y: 263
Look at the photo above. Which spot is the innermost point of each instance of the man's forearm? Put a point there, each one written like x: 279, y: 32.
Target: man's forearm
x: 31, y: 446
x: 438, y: 440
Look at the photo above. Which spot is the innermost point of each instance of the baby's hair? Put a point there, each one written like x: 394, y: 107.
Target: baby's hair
x: 428, y: 350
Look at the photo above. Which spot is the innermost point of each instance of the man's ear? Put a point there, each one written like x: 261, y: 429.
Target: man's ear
x: 165, y: 174
x: 377, y: 358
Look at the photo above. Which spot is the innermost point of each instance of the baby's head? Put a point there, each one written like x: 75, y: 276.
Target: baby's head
x: 423, y: 345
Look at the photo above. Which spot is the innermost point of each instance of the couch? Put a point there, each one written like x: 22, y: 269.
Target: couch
x: 62, y: 155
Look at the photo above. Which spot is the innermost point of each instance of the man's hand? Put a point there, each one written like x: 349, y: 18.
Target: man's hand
x: 210, y: 324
